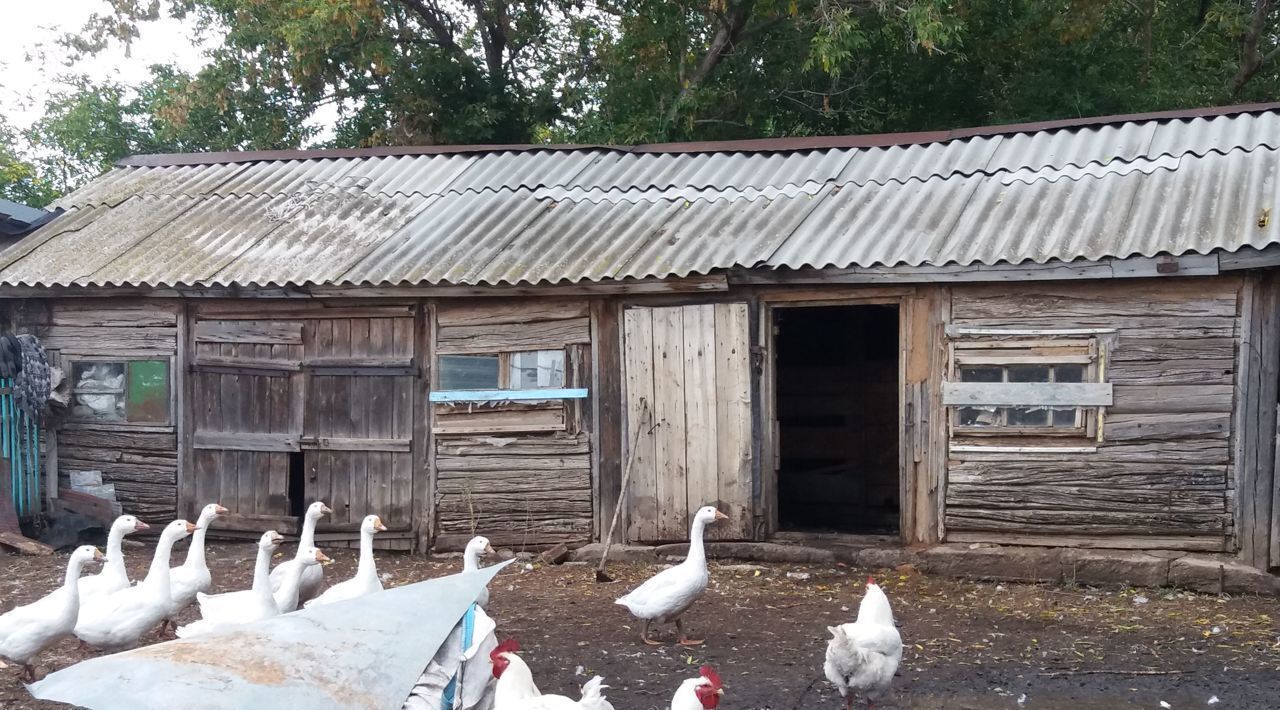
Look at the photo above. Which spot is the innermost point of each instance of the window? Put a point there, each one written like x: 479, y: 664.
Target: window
x: 1036, y: 387
x: 535, y: 369
x: 121, y: 391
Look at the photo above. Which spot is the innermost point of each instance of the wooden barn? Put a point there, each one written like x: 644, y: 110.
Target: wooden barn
x: 1061, y: 334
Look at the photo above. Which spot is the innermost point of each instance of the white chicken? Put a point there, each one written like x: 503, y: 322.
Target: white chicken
x: 701, y: 693
x: 669, y: 593
x: 515, y: 689
x: 863, y: 657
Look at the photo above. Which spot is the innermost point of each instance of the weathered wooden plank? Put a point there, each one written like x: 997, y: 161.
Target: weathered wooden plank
x: 161, y: 474
x: 109, y: 315
x: 1086, y: 471
x: 513, y: 337
x: 552, y: 445
x: 732, y: 397
x: 669, y: 412
x: 1068, y: 301
x: 1207, y: 543
x: 1202, y: 425
x: 1084, y: 394
x: 699, y: 374
x: 1172, y: 372
x: 105, y: 341
x: 637, y: 351
x: 1159, y: 349
x: 1155, y: 325
x: 448, y: 464
x: 1138, y: 501
x: 1085, y: 522
x: 1145, y: 399
x: 245, y: 441
x: 316, y: 309
x: 331, y: 443
x: 1189, y: 451
x: 121, y: 438
x: 485, y: 313
x: 546, y: 420
x: 249, y: 331
x: 574, y: 482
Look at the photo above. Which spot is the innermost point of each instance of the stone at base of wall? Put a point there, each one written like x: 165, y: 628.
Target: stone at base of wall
x: 1199, y: 572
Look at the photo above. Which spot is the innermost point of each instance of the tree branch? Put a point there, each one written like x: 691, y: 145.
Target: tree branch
x: 731, y: 29
x: 436, y: 22
x: 1251, y: 60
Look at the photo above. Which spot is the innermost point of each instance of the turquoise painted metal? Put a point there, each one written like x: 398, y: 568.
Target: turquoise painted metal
x: 20, y: 447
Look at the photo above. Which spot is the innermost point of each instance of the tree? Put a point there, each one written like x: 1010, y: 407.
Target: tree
x: 20, y: 179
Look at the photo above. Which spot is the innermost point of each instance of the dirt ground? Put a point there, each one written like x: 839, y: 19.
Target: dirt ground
x: 969, y: 644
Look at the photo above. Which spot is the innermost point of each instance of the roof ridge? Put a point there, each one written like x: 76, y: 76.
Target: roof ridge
x: 755, y: 145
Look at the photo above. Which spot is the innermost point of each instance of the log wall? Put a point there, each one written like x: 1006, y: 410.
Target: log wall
x: 141, y: 460
x: 1162, y: 473
x: 519, y: 473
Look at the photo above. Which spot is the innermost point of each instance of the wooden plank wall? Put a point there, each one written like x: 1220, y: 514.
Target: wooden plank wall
x: 518, y: 473
x: 1162, y: 476
x: 141, y: 460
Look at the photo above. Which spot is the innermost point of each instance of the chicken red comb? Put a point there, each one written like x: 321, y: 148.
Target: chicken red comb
x: 870, y: 581
x: 710, y: 674
x: 508, y: 646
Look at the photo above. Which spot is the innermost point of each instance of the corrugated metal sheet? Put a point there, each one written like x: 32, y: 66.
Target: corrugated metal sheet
x: 1173, y: 185
x: 361, y: 654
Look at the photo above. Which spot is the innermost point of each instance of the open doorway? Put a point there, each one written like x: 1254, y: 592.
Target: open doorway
x: 837, y: 406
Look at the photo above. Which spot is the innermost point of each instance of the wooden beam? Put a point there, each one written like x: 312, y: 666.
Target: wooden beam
x: 1044, y: 394
x: 507, y: 395
x: 245, y: 442
x: 1135, y: 267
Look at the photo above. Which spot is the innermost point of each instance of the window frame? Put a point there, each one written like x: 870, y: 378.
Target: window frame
x: 505, y: 392
x: 1012, y: 348
x: 69, y: 362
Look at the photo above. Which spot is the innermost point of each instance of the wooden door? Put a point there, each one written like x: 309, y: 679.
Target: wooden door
x: 247, y: 394
x: 690, y: 366
x: 358, y: 423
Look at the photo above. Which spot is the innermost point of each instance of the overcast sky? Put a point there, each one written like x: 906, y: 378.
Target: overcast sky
x: 31, y: 61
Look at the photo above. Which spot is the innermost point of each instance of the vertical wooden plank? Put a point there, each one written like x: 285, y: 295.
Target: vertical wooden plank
x: 733, y: 419
x: 668, y: 398
x: 184, y: 418
x: 914, y: 343
x: 365, y: 418
x: 700, y: 411
x: 421, y: 492
x: 1244, y: 434
x: 607, y: 429
x: 640, y: 419
x: 932, y: 519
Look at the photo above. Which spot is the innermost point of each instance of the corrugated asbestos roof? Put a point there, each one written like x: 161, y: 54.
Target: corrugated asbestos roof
x: 1131, y: 186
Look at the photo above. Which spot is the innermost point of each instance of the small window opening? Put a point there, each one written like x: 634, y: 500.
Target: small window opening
x: 297, y: 483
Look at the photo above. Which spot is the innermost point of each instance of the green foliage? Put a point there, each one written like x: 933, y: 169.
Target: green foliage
x: 630, y: 71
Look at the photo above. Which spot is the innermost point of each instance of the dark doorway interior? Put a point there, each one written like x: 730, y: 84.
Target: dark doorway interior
x: 837, y: 407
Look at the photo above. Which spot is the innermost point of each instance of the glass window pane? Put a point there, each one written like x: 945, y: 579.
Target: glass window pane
x: 1068, y: 373
x: 148, y: 396
x: 979, y: 416
x: 1028, y: 373
x: 981, y: 374
x: 537, y: 369
x: 1028, y: 416
x: 98, y: 389
x: 467, y: 372
x: 1064, y: 417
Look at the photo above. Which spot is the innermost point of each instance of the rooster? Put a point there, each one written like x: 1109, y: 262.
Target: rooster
x: 701, y: 693
x: 515, y: 689
x: 862, y: 657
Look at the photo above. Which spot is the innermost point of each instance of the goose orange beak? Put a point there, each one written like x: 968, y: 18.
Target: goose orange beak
x: 191, y: 528
x: 721, y: 516
x: 377, y: 525
x: 321, y: 557
x: 220, y: 510
x: 140, y: 526
x: 97, y: 554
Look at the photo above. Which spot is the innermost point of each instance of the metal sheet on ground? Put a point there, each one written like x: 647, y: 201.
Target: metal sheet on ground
x: 362, y: 654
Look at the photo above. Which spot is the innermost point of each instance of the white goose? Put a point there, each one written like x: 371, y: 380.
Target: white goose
x: 116, y: 621
x: 193, y: 576
x: 113, y: 576
x: 366, y: 580
x: 312, y: 576
x: 28, y: 630
x: 218, y: 610
x: 478, y: 547
x: 669, y: 593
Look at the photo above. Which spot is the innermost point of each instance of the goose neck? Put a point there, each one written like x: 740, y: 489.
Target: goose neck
x: 697, y: 553
x: 308, y: 538
x: 366, y: 568
x: 195, y: 553
x: 262, y: 571
x: 158, y: 574
x: 115, y: 553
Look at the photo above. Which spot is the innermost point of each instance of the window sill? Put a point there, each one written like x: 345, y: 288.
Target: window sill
x: 506, y: 395
x: 1029, y: 449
